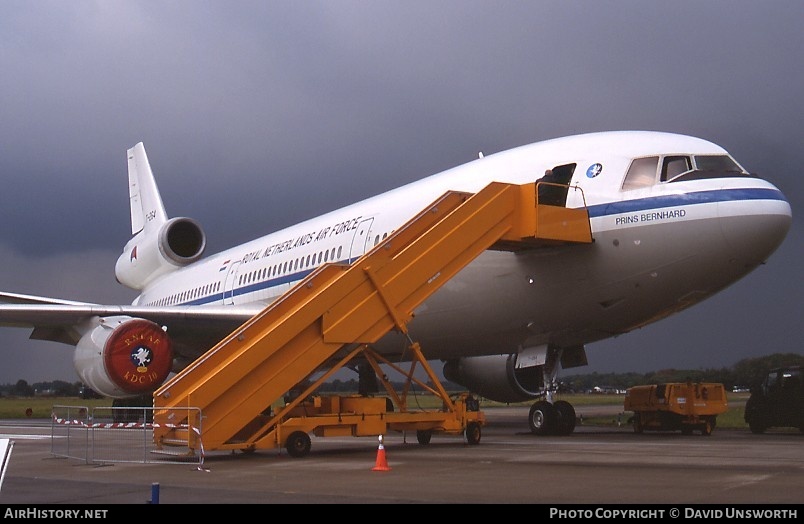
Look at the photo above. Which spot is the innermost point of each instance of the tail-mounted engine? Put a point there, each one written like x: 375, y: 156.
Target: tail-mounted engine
x: 122, y: 357
x: 179, y: 242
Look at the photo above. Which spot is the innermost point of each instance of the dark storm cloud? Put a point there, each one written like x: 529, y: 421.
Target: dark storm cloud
x: 259, y: 114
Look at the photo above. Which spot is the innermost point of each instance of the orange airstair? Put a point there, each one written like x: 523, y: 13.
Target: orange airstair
x: 224, y: 400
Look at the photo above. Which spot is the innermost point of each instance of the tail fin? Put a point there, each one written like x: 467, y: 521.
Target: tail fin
x: 157, y: 245
x: 147, y: 209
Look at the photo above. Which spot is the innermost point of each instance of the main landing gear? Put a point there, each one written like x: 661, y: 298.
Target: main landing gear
x: 548, y: 418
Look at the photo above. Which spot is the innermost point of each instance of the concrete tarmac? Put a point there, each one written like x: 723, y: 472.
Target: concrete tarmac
x: 595, y: 465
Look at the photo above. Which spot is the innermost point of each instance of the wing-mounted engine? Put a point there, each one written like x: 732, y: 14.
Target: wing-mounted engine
x: 496, y: 377
x: 122, y: 357
x: 527, y: 375
x: 177, y: 243
x: 530, y: 374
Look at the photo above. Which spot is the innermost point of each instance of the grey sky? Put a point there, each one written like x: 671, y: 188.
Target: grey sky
x: 259, y: 114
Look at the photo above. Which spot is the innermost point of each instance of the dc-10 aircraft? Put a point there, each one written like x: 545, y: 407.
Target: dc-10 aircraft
x: 674, y: 219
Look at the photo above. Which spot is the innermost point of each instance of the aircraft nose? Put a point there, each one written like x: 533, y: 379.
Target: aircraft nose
x: 755, y: 225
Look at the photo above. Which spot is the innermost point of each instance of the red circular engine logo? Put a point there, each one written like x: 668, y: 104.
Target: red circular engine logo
x: 138, y: 356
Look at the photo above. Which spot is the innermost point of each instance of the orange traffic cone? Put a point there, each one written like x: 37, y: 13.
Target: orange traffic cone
x: 382, y: 463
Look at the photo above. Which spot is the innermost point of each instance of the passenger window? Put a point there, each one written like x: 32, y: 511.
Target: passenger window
x: 642, y: 173
x: 674, y: 166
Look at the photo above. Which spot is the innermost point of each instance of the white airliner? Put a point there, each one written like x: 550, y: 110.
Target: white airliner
x: 674, y: 219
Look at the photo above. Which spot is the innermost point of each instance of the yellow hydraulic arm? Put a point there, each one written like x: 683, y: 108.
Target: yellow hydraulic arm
x: 236, y: 381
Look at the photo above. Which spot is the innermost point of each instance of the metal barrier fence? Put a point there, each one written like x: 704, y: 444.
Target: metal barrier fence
x: 108, y: 435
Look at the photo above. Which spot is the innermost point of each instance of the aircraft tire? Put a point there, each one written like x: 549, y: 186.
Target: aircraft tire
x: 565, y: 417
x: 542, y: 418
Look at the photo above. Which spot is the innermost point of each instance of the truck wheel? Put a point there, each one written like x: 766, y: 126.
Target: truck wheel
x: 707, y: 427
x: 756, y: 427
x: 473, y: 433
x: 424, y: 436
x: 298, y: 444
x: 638, y: 428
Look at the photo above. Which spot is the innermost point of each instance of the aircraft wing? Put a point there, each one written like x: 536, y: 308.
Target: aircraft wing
x: 193, y: 328
x: 16, y: 298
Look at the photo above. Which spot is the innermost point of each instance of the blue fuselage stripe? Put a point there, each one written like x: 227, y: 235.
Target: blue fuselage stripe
x: 595, y: 211
x: 698, y: 197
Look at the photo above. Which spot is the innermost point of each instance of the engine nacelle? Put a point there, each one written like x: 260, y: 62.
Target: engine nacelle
x: 179, y: 242
x: 496, y: 377
x: 122, y: 357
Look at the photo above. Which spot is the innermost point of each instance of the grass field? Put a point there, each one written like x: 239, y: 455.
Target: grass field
x: 41, y: 407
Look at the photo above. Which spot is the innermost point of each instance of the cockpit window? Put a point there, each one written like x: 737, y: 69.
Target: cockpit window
x: 679, y: 168
x: 672, y: 166
x: 709, y: 166
x: 642, y: 173
x: 717, y: 163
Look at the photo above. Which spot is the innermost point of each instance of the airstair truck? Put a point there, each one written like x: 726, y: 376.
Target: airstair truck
x: 676, y: 406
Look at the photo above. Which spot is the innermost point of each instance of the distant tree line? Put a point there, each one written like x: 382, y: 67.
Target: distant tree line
x: 56, y: 388
x: 744, y: 374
